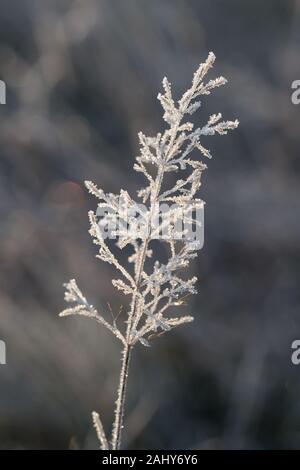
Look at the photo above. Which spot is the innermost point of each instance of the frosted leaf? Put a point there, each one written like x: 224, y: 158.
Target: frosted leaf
x: 120, y: 285
x: 144, y: 342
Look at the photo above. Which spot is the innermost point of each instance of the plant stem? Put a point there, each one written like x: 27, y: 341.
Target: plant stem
x: 120, y: 403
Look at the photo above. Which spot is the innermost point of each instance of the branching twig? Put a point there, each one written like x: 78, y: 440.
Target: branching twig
x: 156, y: 290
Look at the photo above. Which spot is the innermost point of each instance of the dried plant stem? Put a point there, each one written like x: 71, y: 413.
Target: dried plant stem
x: 100, y: 431
x: 120, y: 403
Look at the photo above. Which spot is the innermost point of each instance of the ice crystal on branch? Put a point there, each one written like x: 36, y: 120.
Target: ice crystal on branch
x: 157, y: 290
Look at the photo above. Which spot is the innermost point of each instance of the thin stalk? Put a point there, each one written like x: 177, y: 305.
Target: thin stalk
x: 120, y: 403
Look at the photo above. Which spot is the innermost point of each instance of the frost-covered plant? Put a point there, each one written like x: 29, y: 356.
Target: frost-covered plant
x: 154, y: 287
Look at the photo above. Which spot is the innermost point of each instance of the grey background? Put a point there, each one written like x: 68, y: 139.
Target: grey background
x: 82, y: 79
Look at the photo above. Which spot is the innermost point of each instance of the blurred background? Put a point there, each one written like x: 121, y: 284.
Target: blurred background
x: 82, y: 78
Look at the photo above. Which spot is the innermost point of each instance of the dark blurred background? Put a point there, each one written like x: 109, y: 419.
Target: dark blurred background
x: 82, y: 79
